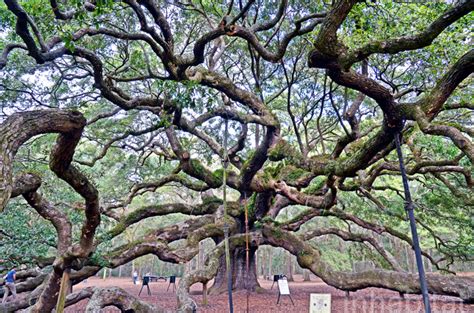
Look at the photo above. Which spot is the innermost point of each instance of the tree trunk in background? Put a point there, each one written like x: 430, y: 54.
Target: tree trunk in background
x: 407, y: 259
x: 241, y: 280
x: 289, y: 267
x: 306, y: 275
x: 257, y: 263
x: 104, y: 273
x: 262, y: 262
x: 351, y: 258
x: 411, y: 259
x: 428, y: 265
x: 204, y: 294
x: 270, y: 263
x: 133, y: 268
x: 398, y: 253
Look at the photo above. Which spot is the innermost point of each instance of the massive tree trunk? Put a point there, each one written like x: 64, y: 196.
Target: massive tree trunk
x: 241, y: 280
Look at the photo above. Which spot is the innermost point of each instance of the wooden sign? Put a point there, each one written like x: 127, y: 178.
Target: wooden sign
x: 283, y: 290
x: 283, y: 287
x: 320, y: 303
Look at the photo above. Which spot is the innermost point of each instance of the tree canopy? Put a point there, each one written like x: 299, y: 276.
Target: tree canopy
x: 118, y: 112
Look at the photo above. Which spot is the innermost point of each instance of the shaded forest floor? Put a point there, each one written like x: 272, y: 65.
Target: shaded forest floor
x: 364, y: 301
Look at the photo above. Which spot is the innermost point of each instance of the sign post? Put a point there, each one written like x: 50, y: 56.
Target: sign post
x: 283, y: 289
x: 172, y: 282
x: 146, y: 281
x: 275, y: 280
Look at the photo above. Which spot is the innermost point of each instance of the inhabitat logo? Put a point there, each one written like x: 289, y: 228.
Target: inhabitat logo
x: 375, y: 303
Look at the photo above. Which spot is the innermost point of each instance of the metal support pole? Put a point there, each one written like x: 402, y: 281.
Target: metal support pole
x: 247, y: 250
x: 226, y: 226
x: 228, y: 268
x: 409, y: 207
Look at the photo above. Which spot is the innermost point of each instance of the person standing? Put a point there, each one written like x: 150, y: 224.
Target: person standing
x: 135, y: 277
x: 9, y: 284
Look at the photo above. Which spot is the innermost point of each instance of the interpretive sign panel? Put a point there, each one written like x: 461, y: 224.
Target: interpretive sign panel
x: 320, y: 303
x: 283, y: 287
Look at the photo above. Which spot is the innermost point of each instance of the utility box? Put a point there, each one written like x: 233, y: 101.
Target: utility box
x: 320, y: 303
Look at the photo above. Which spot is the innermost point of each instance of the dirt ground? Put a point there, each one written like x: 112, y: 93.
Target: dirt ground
x: 371, y: 300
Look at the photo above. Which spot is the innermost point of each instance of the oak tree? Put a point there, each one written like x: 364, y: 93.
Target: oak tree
x: 292, y: 105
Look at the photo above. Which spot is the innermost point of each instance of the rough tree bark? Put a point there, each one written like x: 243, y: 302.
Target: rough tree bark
x: 241, y: 280
x: 20, y: 127
x: 120, y: 299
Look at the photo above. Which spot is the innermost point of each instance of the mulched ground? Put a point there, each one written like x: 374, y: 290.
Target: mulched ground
x: 371, y: 300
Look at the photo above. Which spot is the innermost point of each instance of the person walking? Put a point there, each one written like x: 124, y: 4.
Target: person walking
x: 9, y: 285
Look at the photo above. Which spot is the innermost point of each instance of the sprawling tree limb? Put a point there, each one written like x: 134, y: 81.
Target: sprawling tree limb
x: 209, y: 207
x: 109, y: 144
x: 15, y: 131
x: 119, y: 298
x: 299, y: 220
x: 461, y: 141
x: 433, y: 102
x: 7, y: 50
x: 20, y: 127
x: 413, y: 42
x: 60, y: 163
x: 310, y: 257
x: 348, y: 236
x: 25, y: 183
x: 58, y: 218
x: 100, y: 298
